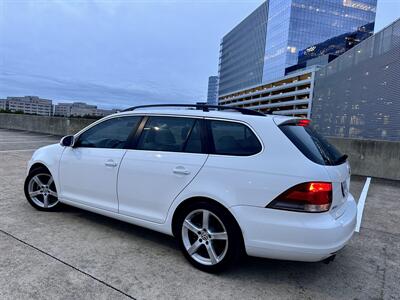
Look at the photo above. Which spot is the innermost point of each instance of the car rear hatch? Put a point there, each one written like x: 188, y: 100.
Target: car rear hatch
x: 320, y: 151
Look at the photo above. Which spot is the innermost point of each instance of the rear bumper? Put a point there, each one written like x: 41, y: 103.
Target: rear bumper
x: 296, y: 236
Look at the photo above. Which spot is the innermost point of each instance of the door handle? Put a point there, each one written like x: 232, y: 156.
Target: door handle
x: 181, y: 171
x: 110, y: 163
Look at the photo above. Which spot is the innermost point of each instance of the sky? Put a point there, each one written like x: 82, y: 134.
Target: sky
x: 120, y: 53
x: 387, y: 12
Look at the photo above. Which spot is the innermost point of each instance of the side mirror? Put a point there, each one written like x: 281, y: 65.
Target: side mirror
x: 67, y: 141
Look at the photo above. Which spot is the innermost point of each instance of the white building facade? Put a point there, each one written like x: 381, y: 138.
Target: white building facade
x: 29, y: 105
x: 3, y: 105
x: 80, y: 109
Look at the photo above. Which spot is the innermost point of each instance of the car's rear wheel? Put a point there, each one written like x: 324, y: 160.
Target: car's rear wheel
x: 208, y: 236
x: 40, y: 190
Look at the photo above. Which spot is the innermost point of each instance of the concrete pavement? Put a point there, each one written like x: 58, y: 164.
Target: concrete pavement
x: 73, y: 254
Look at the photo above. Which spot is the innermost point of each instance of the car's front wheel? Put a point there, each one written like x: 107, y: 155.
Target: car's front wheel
x: 40, y: 190
x: 208, y: 236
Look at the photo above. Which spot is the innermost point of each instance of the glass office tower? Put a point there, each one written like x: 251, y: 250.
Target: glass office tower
x: 337, y: 45
x: 242, y: 51
x: 212, y: 94
x: 323, y: 53
x: 260, y: 48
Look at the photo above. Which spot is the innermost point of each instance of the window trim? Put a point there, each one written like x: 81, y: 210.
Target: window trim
x: 94, y: 124
x: 207, y: 142
x: 210, y: 140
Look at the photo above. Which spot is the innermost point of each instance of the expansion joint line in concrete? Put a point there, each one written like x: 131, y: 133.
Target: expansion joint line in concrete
x: 67, y: 264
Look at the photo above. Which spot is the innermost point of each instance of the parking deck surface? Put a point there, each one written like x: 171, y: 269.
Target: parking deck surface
x: 75, y: 254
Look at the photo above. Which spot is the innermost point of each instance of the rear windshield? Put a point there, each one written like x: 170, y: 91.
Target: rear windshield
x: 313, y: 145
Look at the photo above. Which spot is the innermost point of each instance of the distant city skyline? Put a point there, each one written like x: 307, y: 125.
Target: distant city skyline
x: 30, y: 104
x: 64, y: 101
x: 118, y: 54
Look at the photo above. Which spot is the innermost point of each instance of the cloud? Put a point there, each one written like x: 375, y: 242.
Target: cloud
x: 113, y: 53
x: 90, y: 92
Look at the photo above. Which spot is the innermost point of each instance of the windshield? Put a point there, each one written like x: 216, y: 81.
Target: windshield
x: 313, y: 145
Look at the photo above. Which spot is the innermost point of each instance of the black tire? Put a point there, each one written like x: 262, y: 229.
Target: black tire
x: 229, y: 253
x: 44, y: 175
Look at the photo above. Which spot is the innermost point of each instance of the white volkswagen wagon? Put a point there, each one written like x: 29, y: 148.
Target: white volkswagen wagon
x: 222, y: 182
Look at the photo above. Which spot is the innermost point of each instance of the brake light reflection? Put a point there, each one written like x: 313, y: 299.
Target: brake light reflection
x: 303, y: 122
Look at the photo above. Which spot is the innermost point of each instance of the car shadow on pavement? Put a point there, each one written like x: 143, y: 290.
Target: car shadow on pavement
x: 245, y: 266
x: 121, y: 226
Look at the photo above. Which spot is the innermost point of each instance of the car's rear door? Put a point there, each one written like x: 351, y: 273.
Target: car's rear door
x: 167, y: 156
x: 88, y: 171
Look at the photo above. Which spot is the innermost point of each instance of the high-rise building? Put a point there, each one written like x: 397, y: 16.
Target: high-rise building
x: 212, y: 95
x: 357, y: 94
x: 242, y: 51
x: 266, y: 42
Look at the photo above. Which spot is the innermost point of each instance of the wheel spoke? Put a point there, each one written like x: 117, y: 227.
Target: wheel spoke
x: 52, y: 193
x: 189, y: 225
x: 219, y: 236
x: 50, y: 181
x: 194, y: 248
x: 34, y: 193
x: 45, y: 201
x: 212, y: 254
x: 37, y: 180
x: 206, y: 218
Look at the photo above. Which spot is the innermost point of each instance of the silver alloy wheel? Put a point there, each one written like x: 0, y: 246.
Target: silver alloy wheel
x: 204, y: 237
x: 42, y: 190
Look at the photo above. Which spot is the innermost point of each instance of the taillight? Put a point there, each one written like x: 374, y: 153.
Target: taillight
x: 305, y: 197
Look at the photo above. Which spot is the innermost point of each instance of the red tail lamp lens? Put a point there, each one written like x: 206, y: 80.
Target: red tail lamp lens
x: 320, y: 187
x: 305, y: 197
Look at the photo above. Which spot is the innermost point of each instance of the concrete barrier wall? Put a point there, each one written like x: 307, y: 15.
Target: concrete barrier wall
x: 50, y: 125
x: 370, y: 157
x: 367, y: 157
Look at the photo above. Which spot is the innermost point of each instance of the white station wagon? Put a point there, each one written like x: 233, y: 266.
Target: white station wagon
x: 224, y: 181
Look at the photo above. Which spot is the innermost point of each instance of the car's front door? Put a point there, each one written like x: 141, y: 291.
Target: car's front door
x: 88, y: 171
x: 168, y: 155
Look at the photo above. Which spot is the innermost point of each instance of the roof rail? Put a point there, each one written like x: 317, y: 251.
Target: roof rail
x: 201, y: 106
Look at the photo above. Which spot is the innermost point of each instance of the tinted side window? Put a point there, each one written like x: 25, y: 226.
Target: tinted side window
x: 232, y: 138
x: 112, y: 133
x: 171, y: 134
